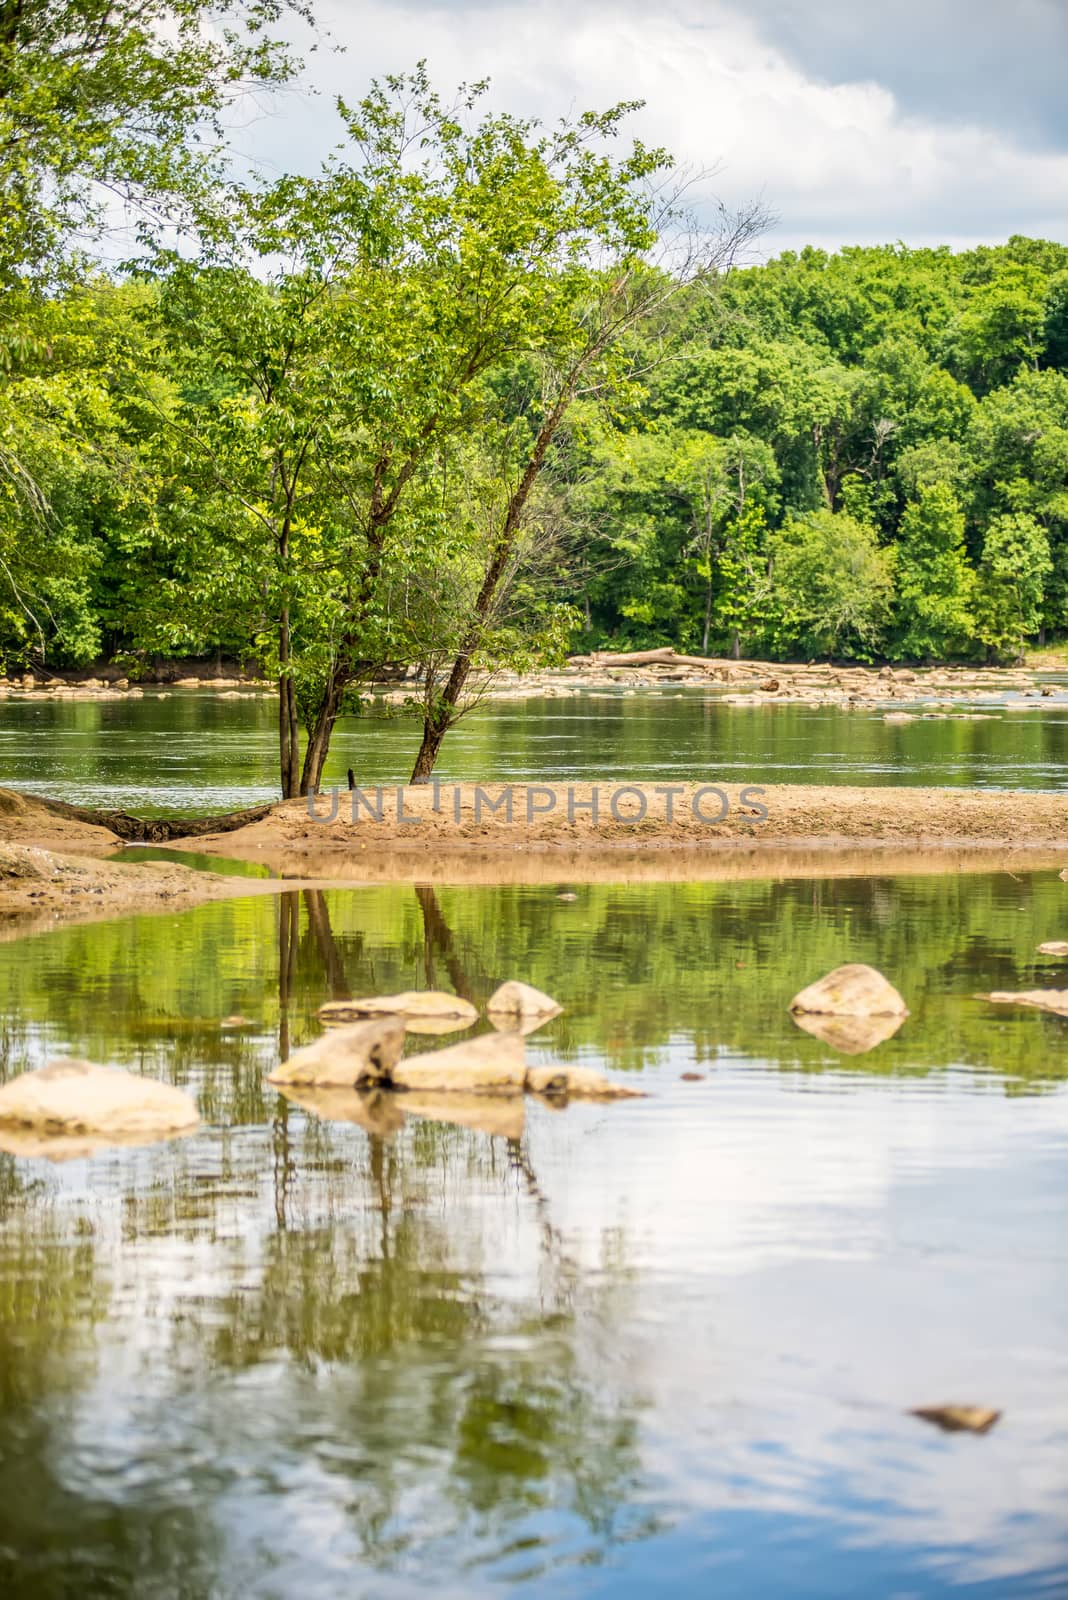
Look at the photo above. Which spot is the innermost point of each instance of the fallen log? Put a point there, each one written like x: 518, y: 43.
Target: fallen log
x: 664, y: 657
x: 153, y: 830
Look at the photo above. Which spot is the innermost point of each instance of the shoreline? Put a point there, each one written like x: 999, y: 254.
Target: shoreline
x: 56, y: 870
x: 729, y: 682
x: 808, y: 830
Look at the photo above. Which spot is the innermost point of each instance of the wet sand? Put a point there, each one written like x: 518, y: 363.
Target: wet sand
x: 55, y: 869
x: 650, y: 831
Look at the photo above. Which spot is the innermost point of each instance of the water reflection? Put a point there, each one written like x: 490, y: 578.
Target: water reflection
x: 667, y: 1346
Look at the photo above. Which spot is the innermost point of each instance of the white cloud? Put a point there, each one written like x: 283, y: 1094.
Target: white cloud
x: 839, y: 162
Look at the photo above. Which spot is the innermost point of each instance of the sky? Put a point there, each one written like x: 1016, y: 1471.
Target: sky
x: 926, y: 121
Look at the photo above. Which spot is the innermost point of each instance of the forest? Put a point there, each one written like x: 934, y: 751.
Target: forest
x: 481, y: 393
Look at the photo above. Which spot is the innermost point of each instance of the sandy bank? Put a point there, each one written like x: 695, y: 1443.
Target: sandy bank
x: 39, y: 888
x: 537, y: 833
x: 54, y: 869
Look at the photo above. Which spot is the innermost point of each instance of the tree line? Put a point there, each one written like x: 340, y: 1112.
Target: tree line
x: 478, y: 393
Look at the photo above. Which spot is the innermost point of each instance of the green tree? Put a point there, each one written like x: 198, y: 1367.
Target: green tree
x: 126, y: 97
x: 98, y: 99
x: 934, y: 581
x: 745, y: 600
x: 831, y: 585
x: 1011, y: 583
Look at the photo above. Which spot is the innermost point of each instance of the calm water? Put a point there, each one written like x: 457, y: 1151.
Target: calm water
x: 660, y: 1347
x: 196, y: 752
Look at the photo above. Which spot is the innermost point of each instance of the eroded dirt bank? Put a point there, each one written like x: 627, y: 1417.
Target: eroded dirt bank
x: 56, y: 869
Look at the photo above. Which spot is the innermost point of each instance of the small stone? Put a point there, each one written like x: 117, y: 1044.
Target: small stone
x: 577, y: 1083
x: 1055, y: 1000
x: 410, y: 1003
x: 346, y: 1057
x: 495, y: 1063
x: 854, y: 990
x: 79, y: 1097
x: 958, y: 1419
x: 520, y: 1000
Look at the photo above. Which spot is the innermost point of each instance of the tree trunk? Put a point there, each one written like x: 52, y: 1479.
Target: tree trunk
x: 319, y: 738
x: 288, y: 722
x: 429, y: 749
x: 343, y: 669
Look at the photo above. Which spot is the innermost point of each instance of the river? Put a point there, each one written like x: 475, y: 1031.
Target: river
x: 664, y: 1346
x: 195, y: 751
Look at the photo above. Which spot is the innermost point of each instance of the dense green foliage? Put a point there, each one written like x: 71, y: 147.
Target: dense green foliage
x: 899, y: 419
x: 870, y: 481
x: 463, y: 399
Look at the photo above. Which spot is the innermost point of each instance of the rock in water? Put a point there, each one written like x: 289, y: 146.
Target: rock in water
x: 958, y: 1419
x: 492, y: 1064
x: 851, y: 991
x: 412, y: 1003
x: 346, y: 1058
x: 1055, y: 1000
x: 520, y: 1001
x: 78, y: 1097
x: 577, y: 1083
x: 1055, y: 947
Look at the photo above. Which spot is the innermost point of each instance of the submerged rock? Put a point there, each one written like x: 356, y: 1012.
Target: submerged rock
x: 853, y: 990
x: 78, y: 1097
x: 362, y: 1054
x: 958, y: 1419
x: 492, y: 1064
x: 412, y: 1003
x: 1055, y: 1000
x: 441, y: 1085
x: 522, y: 1002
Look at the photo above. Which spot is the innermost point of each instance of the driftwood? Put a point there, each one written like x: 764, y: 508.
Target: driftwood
x: 665, y: 657
x: 152, y: 830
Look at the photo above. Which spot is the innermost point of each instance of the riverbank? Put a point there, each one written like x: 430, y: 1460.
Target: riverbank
x: 57, y: 869
x: 746, y: 682
x: 53, y: 868
x: 547, y: 832
x: 40, y: 888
